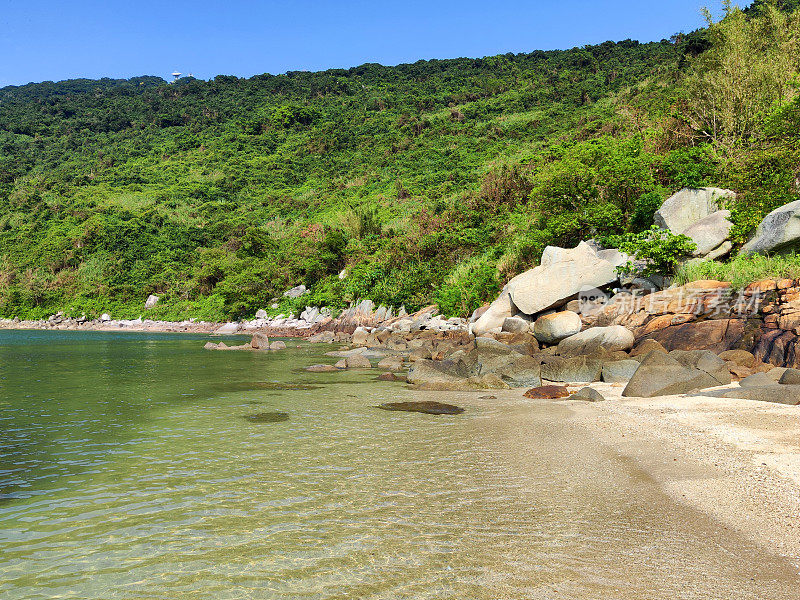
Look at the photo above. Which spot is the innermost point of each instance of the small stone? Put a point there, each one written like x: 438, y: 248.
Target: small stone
x: 588, y: 394
x: 388, y: 377
x: 321, y: 369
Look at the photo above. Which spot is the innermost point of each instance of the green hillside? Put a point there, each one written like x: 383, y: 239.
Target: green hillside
x: 429, y: 182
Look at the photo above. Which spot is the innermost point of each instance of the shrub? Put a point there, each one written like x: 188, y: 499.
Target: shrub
x: 661, y: 250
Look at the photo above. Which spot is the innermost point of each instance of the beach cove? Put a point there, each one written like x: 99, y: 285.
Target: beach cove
x: 134, y: 466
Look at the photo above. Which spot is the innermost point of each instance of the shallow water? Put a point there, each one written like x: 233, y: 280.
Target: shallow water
x: 129, y: 469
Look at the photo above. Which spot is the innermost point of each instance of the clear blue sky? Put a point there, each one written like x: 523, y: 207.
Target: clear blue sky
x: 52, y: 40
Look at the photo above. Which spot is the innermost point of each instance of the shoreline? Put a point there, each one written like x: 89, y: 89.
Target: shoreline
x: 735, y: 461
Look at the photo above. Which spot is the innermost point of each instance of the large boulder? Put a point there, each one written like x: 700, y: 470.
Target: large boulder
x: 615, y: 337
x: 494, y: 316
x: 525, y: 371
x: 227, y: 329
x: 705, y: 361
x: 151, y: 301
x: 778, y: 232
x: 662, y: 375
x: 552, y: 328
x: 516, y: 325
x: 430, y: 375
x: 619, y: 371
x: 576, y: 369
x: 357, y: 361
x: 562, y: 274
x: 259, y: 342
x: 714, y: 334
x: 295, y: 292
x: 360, y: 336
x: 687, y: 207
x: 711, y: 234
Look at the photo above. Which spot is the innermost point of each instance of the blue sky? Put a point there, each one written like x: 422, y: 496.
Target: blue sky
x: 53, y: 40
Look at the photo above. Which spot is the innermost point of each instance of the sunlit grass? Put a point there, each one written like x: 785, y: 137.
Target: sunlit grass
x: 742, y: 270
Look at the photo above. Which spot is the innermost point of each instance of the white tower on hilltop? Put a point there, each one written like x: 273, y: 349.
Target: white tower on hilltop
x: 175, y: 76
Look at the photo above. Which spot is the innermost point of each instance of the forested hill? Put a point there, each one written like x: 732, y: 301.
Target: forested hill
x: 428, y: 182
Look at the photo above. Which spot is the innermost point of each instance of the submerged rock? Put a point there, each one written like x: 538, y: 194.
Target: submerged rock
x: 267, y: 417
x: 427, y: 407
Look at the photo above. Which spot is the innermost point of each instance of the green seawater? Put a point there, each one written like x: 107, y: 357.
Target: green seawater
x: 134, y: 466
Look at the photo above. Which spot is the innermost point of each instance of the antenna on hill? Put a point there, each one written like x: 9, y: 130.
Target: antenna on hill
x: 175, y: 76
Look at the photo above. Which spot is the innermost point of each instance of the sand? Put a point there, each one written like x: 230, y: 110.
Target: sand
x: 737, y: 461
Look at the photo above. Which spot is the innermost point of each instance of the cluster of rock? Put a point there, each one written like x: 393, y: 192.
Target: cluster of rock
x: 453, y: 361
x: 259, y: 341
x: 763, y: 318
x: 106, y: 323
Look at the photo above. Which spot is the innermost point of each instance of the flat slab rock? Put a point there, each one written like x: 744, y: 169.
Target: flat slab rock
x: 427, y: 407
x: 777, y: 393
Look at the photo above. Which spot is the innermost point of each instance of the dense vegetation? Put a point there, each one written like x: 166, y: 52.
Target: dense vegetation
x: 429, y: 182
